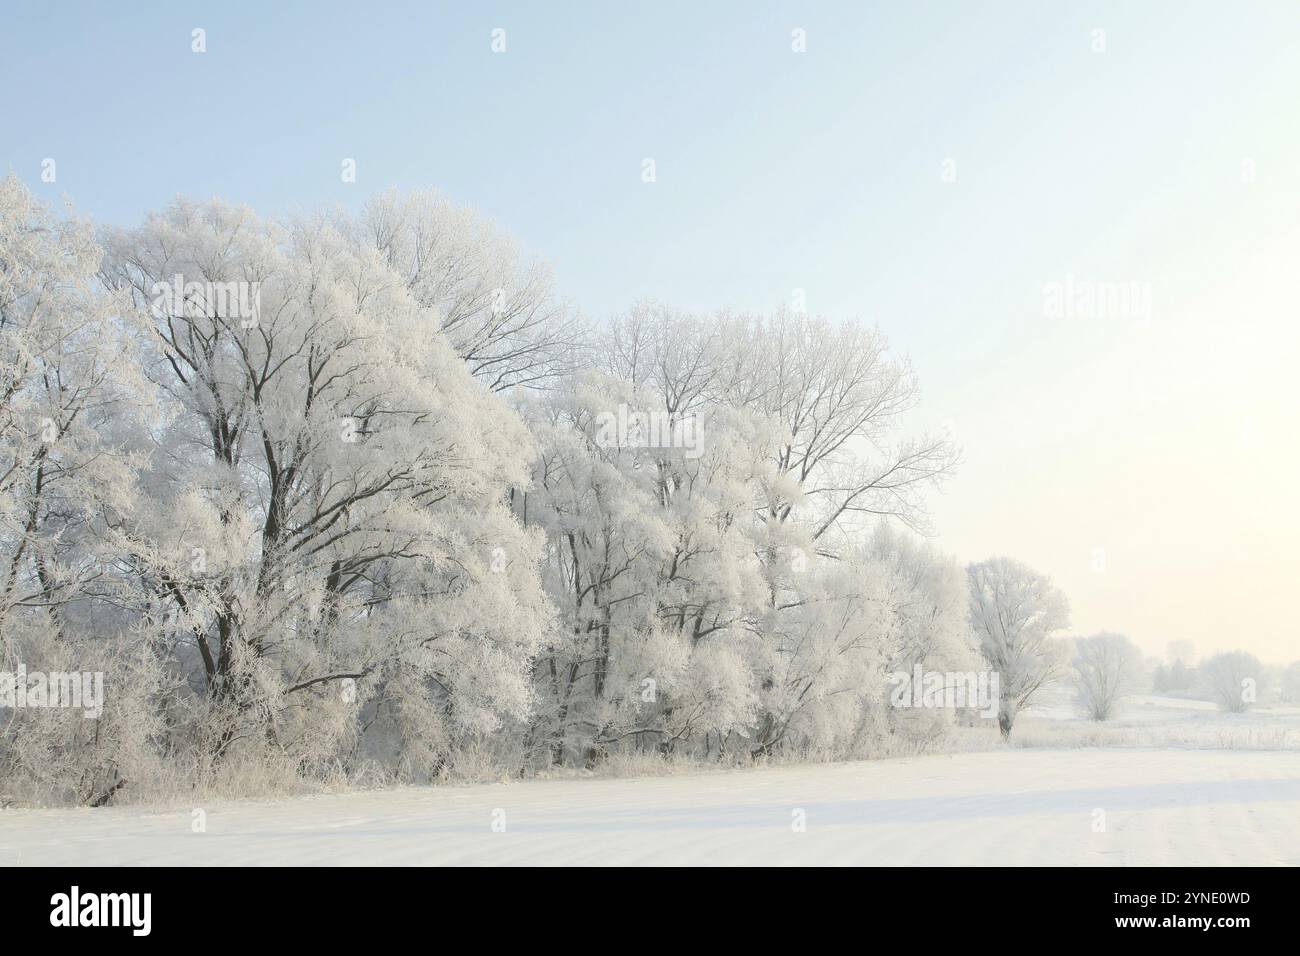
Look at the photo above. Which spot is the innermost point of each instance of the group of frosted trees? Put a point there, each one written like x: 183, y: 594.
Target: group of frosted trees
x: 358, y: 497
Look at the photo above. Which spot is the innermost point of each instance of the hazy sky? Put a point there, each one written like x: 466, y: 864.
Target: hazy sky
x: 931, y: 168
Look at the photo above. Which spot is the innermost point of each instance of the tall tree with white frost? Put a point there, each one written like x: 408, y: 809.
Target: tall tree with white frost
x: 329, y: 489
x: 68, y: 387
x: 501, y: 315
x: 1015, y: 611
x: 707, y: 604
x: 70, y: 390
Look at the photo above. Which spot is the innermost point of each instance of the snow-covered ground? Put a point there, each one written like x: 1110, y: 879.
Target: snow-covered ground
x: 1015, y: 806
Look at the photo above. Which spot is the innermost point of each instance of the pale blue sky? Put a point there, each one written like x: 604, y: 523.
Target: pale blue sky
x: 1164, y: 442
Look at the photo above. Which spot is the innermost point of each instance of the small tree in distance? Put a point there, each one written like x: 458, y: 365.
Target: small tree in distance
x: 1231, y: 680
x: 1107, y: 668
x: 1290, y: 690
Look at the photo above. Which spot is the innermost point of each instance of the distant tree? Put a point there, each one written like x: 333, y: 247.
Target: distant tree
x: 1231, y: 680
x: 1181, y: 676
x: 1015, y: 611
x: 1107, y: 668
x: 1290, y: 684
x: 1159, y: 678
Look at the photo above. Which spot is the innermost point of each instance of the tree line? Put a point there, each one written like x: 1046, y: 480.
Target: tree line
x: 362, y: 498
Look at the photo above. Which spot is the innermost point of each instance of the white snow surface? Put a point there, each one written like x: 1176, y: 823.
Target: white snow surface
x: 1025, y: 806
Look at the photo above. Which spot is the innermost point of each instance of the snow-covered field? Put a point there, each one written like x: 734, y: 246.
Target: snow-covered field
x: 1148, y: 720
x: 1016, y: 806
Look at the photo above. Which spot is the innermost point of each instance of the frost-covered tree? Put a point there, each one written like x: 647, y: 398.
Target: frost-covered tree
x: 500, y: 314
x: 826, y: 659
x: 1015, y: 612
x: 929, y: 592
x: 1179, y: 674
x: 1106, y: 668
x: 1289, y: 684
x: 689, y: 488
x: 839, y: 396
x: 68, y: 387
x: 836, y: 397
x: 1232, y: 680
x: 651, y: 564
x: 1181, y: 652
x: 329, y: 529
x: 70, y: 394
